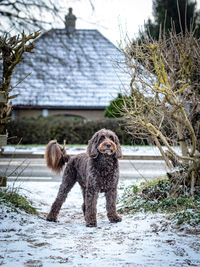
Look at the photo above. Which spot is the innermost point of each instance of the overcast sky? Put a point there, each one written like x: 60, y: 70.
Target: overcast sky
x: 113, y: 18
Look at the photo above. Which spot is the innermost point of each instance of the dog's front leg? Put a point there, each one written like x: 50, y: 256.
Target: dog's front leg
x: 91, y: 196
x: 111, y: 198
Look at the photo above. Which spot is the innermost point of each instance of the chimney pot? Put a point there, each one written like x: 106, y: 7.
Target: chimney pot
x: 70, y: 22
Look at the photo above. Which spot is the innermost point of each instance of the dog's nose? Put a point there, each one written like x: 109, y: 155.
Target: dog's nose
x: 108, y: 145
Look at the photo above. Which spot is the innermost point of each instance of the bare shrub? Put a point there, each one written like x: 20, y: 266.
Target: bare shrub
x: 164, y: 102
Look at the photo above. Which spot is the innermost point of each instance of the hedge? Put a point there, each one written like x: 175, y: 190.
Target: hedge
x: 41, y: 130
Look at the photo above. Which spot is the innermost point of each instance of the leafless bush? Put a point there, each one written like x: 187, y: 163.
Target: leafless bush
x: 11, y: 52
x: 165, y: 90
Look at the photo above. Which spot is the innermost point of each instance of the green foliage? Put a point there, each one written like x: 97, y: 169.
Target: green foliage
x: 11, y: 198
x: 113, y: 110
x: 42, y: 130
x: 166, y: 12
x: 157, y: 196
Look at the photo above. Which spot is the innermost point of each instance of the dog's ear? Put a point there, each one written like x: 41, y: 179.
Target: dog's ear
x: 119, y: 150
x: 92, y: 146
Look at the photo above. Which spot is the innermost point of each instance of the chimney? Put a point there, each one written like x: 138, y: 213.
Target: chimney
x: 70, y: 22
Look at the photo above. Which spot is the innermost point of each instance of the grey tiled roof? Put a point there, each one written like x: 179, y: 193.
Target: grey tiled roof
x: 77, y: 71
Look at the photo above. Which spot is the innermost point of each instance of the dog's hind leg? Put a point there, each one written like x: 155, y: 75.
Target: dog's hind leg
x: 69, y: 179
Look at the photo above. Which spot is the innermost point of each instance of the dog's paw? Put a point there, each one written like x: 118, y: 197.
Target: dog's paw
x: 115, y: 219
x: 91, y: 224
x: 51, y: 219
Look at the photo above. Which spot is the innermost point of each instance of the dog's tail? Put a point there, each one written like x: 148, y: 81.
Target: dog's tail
x: 56, y: 156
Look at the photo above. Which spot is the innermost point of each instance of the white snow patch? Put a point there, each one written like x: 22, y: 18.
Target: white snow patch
x: 139, y: 240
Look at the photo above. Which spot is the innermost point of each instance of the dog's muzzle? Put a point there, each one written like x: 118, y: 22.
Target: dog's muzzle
x: 107, y: 147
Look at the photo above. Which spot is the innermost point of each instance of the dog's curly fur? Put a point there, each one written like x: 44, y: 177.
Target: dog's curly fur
x: 96, y: 171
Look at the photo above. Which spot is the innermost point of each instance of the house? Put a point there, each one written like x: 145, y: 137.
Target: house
x: 72, y: 72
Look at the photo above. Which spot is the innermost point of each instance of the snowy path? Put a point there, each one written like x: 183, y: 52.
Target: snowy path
x: 139, y: 240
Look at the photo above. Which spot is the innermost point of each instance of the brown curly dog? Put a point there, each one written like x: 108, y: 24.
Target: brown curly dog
x: 96, y: 171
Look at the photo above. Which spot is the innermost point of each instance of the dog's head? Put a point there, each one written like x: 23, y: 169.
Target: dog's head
x: 105, y: 142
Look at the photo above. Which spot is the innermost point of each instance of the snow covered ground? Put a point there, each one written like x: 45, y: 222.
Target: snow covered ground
x: 139, y: 240
x: 126, y: 150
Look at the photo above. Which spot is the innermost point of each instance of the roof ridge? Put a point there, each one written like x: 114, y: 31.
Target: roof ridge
x: 63, y: 29
x: 78, y: 30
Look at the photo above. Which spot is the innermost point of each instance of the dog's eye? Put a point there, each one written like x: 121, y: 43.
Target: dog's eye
x: 111, y: 138
x: 102, y: 138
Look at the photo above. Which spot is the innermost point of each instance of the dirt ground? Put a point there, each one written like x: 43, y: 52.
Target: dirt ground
x: 139, y: 240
